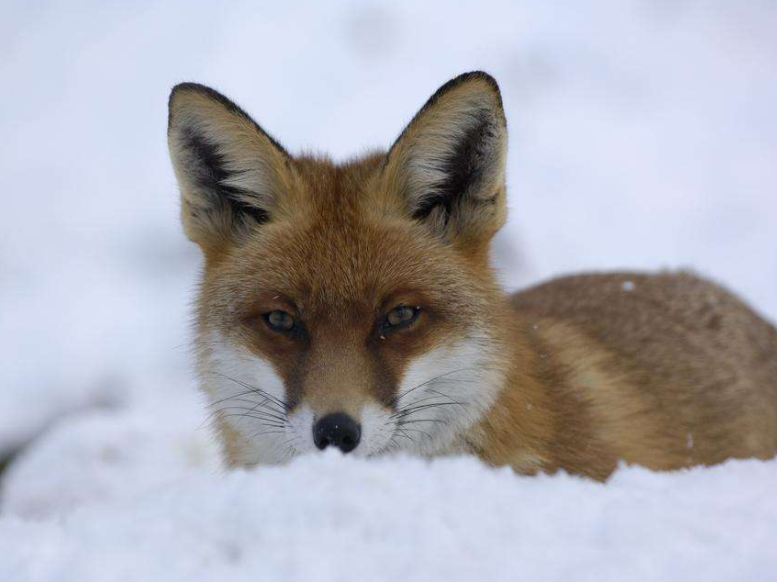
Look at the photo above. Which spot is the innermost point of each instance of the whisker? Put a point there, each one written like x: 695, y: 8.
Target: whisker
x: 423, y: 432
x: 266, y: 432
x: 260, y: 407
x: 263, y: 405
x: 266, y: 403
x: 254, y: 412
x: 433, y: 420
x: 408, y: 391
x: 256, y: 389
x: 219, y: 401
x: 401, y: 432
x: 246, y: 415
x: 406, y: 412
x: 428, y: 398
x: 453, y: 400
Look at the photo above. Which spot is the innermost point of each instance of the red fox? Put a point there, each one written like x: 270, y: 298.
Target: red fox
x: 353, y: 306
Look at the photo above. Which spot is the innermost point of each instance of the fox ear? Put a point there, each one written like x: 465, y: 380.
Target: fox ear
x: 448, y: 165
x: 229, y: 170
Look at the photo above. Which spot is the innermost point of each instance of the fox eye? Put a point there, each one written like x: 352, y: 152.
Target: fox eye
x: 401, y: 316
x: 279, y: 320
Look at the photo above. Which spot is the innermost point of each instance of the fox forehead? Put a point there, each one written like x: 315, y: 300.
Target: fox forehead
x: 335, y: 248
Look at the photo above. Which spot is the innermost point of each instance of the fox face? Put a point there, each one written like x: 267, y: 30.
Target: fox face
x: 346, y: 305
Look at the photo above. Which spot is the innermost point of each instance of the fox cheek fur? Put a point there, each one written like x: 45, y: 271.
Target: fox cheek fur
x: 353, y: 306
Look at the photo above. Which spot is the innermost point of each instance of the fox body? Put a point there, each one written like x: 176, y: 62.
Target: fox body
x: 353, y: 305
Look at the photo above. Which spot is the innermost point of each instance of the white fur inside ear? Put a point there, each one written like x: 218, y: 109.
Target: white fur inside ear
x: 231, y: 173
x: 454, y: 149
x: 237, y: 145
x: 443, y: 393
x: 434, y: 145
x: 250, y: 397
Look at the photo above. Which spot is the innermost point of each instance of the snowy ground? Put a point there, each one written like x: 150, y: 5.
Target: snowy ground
x: 402, y: 519
x: 643, y: 134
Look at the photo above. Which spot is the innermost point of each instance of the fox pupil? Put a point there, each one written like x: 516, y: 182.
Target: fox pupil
x: 279, y: 320
x: 401, y: 315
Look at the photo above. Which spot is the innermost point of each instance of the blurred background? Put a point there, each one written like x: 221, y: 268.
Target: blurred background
x: 643, y: 134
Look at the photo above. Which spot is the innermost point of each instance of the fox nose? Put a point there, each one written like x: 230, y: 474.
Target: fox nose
x: 338, y: 430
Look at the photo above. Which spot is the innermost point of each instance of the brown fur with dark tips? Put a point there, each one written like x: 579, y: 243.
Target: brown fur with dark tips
x: 670, y: 370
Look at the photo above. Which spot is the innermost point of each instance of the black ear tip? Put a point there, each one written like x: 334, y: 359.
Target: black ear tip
x: 477, y: 75
x: 213, y: 96
x: 188, y: 87
x: 480, y: 77
x: 204, y: 91
x: 208, y: 93
x: 178, y: 90
x: 471, y: 77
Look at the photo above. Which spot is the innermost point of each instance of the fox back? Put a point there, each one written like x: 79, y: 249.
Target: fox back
x: 353, y: 305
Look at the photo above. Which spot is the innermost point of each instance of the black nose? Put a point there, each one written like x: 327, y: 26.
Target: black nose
x: 337, y: 429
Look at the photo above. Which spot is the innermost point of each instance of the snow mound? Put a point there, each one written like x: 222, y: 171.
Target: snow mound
x: 330, y: 517
x: 107, y: 456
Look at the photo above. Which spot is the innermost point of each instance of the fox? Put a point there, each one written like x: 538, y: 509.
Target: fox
x: 353, y: 306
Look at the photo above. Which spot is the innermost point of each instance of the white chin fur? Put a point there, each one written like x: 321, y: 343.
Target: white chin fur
x: 442, y: 394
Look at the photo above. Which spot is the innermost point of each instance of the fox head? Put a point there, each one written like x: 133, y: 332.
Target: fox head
x: 348, y: 305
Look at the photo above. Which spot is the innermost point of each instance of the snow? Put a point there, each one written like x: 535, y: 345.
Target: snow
x: 109, y: 455
x: 642, y: 135
x: 330, y: 517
